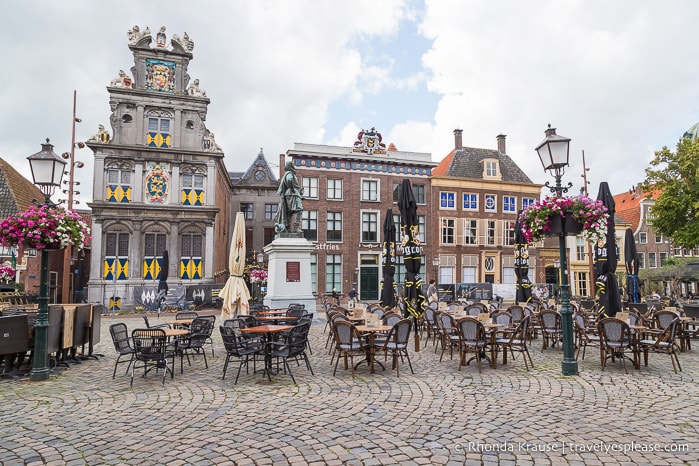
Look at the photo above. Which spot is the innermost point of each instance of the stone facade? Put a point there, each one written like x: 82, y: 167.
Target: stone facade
x: 160, y: 182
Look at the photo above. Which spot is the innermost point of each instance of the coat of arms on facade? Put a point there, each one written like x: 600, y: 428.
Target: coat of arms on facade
x: 160, y: 75
x: 369, y: 142
x: 157, y: 185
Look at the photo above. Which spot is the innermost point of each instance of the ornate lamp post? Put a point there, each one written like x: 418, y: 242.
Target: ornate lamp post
x: 47, y: 171
x: 554, y: 152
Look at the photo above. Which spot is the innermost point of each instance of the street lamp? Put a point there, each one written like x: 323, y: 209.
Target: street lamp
x: 47, y: 171
x: 553, y: 152
x: 435, y: 264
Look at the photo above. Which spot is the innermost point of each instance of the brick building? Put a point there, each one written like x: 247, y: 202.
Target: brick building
x: 477, y: 194
x: 347, y: 191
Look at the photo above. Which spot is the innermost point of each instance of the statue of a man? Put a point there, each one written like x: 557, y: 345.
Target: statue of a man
x: 290, y: 206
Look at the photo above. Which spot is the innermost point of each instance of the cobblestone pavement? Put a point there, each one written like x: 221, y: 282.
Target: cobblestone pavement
x: 439, y: 415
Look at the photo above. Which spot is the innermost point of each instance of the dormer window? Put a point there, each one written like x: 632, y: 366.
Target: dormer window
x: 491, y: 169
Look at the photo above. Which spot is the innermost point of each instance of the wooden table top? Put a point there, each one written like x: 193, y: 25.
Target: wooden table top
x: 275, y: 318
x: 180, y: 322
x: 270, y: 313
x: 266, y: 329
x: 176, y: 332
x: 378, y: 328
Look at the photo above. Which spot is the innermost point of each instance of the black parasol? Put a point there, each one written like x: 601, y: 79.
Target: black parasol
x: 631, y: 260
x: 79, y: 282
x: 523, y: 285
x: 388, y: 295
x: 606, y: 260
x: 164, y: 272
x: 414, y: 300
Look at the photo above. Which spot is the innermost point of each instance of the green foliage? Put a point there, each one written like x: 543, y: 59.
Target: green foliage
x: 675, y: 175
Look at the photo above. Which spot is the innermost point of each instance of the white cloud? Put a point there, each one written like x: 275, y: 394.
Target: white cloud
x: 616, y: 77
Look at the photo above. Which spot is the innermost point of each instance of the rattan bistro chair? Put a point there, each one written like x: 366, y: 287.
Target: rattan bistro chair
x: 664, y: 343
x: 397, y: 343
x: 517, y: 341
x: 472, y: 337
x: 348, y: 343
x: 615, y: 340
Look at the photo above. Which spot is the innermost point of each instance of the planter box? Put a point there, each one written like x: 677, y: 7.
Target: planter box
x: 567, y: 225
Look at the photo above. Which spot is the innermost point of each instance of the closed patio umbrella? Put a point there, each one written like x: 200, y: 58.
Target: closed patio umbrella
x: 164, y: 272
x: 235, y: 293
x: 388, y: 295
x: 414, y: 300
x: 631, y: 261
x: 606, y: 260
x: 524, y: 285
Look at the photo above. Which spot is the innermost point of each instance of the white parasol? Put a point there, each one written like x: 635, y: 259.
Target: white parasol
x: 235, y: 293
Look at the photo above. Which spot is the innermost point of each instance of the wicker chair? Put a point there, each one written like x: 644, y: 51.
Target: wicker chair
x: 551, y: 329
x: 615, y: 340
x: 472, y: 337
x: 348, y: 343
x: 665, y: 343
x: 397, y: 343
x: 584, y: 334
x: 517, y: 341
x: 448, y: 333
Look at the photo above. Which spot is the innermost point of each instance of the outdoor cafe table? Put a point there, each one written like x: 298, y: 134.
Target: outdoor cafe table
x: 492, y: 330
x: 276, y: 319
x: 272, y: 313
x: 371, y: 351
x: 180, y: 322
x: 270, y: 332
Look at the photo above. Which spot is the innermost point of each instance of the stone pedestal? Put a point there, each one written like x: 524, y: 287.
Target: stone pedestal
x: 289, y: 279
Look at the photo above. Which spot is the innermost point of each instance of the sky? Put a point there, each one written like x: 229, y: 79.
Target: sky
x: 618, y: 78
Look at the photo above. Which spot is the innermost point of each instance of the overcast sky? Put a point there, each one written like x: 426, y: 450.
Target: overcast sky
x: 618, y: 77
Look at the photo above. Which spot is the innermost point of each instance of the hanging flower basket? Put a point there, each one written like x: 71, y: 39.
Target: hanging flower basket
x: 45, y: 227
x: 7, y: 274
x: 564, y: 223
x: 567, y: 215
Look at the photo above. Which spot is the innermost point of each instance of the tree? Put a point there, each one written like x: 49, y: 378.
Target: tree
x: 675, y: 177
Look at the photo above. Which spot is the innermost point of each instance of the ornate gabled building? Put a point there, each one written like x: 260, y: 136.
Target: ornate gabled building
x: 255, y: 194
x: 477, y: 195
x: 160, y: 182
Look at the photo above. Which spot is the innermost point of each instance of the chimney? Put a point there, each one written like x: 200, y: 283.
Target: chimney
x: 282, y: 162
x: 458, y: 143
x: 501, y: 143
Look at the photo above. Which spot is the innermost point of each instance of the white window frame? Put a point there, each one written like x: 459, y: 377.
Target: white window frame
x: 447, y: 200
x: 466, y: 205
x: 333, y: 188
x: 371, y: 190
x: 495, y: 203
x: 310, y: 187
x: 642, y: 237
x: 470, y: 224
x: 447, y: 229
x: 368, y: 222
x: 491, y: 169
x: 508, y: 232
x: 511, y: 206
